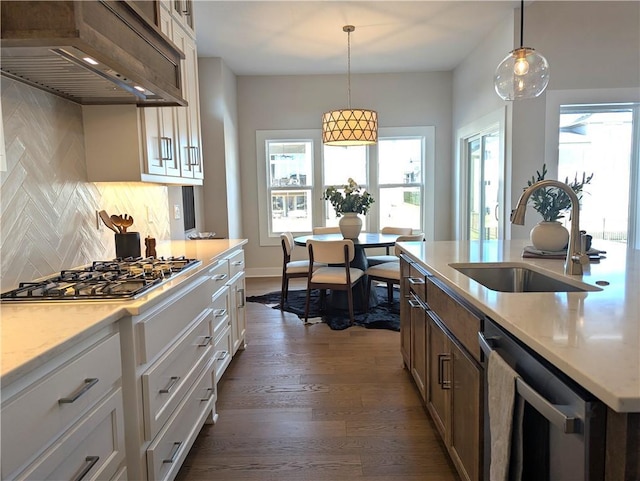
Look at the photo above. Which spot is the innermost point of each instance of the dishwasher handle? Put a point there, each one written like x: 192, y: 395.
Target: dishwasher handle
x: 556, y: 414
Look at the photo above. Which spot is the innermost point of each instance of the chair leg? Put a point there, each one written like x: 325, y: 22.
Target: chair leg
x: 284, y: 290
x: 365, y: 299
x: 390, y: 293
x: 350, y: 302
x: 306, y: 306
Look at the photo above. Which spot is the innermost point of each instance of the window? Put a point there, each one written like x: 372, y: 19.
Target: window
x: 294, y: 168
x: 599, y: 139
x: 290, y: 185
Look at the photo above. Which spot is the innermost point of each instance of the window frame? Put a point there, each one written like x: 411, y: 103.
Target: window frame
x: 427, y: 221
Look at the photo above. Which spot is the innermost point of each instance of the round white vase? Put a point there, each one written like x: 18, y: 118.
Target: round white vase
x: 549, y: 236
x: 350, y: 225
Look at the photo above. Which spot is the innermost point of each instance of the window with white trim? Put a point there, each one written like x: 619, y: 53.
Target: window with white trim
x: 294, y: 169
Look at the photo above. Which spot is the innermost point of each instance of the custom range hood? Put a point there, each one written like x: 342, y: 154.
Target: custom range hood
x: 91, y: 52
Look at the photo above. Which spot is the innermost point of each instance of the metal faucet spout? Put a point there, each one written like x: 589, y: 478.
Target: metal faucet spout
x: 575, y: 257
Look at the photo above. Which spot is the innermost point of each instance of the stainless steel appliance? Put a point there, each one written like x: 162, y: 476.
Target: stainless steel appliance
x: 102, y: 280
x: 563, y: 427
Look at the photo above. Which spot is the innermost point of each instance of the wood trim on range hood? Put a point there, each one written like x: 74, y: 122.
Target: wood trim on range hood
x: 45, y: 44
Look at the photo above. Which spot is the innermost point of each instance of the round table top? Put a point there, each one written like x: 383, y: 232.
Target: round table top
x: 365, y: 239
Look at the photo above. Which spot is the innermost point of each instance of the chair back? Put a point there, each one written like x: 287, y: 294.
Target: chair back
x: 326, y: 230
x: 286, y: 239
x: 408, y: 238
x: 396, y: 230
x: 330, y: 252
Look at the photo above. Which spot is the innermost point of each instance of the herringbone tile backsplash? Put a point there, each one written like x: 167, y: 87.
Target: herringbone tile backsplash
x: 47, y: 207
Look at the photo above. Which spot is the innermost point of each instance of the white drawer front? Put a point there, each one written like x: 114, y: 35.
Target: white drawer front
x: 219, y: 275
x: 167, y: 380
x: 94, y: 446
x: 222, y: 351
x: 220, y: 306
x: 167, y: 452
x: 156, y: 330
x: 236, y: 263
x: 34, y: 418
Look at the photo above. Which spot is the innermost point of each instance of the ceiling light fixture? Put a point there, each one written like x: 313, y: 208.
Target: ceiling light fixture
x: 524, y: 73
x: 349, y: 126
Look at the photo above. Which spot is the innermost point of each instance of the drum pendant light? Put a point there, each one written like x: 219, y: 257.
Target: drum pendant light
x: 349, y: 126
x: 524, y: 73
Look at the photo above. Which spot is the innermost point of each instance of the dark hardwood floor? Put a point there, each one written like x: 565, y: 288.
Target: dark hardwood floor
x: 306, y: 403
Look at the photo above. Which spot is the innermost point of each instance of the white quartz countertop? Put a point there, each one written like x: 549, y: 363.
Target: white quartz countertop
x: 33, y: 333
x: 593, y: 337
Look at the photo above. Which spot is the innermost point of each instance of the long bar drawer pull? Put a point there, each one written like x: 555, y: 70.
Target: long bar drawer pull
x: 554, y: 413
x: 207, y: 341
x: 172, y: 383
x: 219, y: 277
x: 208, y: 398
x: 89, y: 462
x: 174, y: 452
x: 415, y: 280
x: 237, y: 263
x: 242, y: 298
x: 88, y: 384
x: 219, y: 313
x: 223, y: 354
x: 444, y: 383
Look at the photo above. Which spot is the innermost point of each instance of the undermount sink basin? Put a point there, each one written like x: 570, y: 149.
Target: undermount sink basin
x: 517, y: 277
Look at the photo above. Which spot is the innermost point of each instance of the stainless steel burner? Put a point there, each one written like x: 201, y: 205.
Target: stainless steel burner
x: 102, y: 280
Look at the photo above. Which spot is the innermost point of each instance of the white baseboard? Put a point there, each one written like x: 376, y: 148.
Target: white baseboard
x: 263, y: 271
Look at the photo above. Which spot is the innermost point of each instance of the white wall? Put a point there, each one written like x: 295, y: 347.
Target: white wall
x: 297, y: 102
x: 589, y: 45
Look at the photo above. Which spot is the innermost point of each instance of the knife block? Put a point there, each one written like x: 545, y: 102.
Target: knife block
x: 128, y: 244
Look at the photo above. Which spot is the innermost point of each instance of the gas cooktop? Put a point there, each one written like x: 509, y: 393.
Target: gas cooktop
x: 102, y: 280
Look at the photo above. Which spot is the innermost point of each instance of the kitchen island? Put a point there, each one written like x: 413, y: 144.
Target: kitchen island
x: 592, y: 337
x: 97, y: 379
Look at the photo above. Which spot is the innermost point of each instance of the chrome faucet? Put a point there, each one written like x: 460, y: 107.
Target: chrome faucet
x: 576, y: 255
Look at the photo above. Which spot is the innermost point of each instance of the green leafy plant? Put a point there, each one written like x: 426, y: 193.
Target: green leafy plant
x: 550, y: 202
x: 351, y: 199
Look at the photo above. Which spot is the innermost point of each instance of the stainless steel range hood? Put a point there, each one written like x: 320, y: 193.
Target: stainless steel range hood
x: 90, y: 52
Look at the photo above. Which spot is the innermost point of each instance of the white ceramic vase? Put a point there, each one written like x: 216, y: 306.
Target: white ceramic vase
x: 549, y: 236
x: 350, y: 225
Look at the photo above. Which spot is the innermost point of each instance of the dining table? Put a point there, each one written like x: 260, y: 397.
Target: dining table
x: 364, y: 241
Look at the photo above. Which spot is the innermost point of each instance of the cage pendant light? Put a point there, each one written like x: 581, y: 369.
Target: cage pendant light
x: 349, y: 126
x: 524, y: 73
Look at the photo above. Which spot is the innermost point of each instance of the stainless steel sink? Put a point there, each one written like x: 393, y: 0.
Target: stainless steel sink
x: 518, y: 277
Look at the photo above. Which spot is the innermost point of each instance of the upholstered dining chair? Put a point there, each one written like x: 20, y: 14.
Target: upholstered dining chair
x: 388, y: 257
x: 337, y: 275
x: 389, y: 272
x: 326, y: 230
x: 290, y: 269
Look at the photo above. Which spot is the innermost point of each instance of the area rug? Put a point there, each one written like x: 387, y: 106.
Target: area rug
x: 383, y: 316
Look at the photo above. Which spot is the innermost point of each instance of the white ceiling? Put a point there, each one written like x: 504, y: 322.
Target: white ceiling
x: 306, y: 37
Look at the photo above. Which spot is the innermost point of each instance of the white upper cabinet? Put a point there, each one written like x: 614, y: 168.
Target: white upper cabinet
x: 154, y: 144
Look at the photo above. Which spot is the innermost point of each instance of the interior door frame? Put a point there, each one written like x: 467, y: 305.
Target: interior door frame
x: 494, y: 121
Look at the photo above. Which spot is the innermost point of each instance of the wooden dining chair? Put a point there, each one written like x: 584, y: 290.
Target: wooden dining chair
x: 389, y: 272
x: 326, y: 230
x: 290, y: 269
x: 388, y: 257
x: 337, y: 275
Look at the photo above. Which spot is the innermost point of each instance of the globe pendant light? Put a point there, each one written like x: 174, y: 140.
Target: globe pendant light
x: 524, y: 73
x: 349, y: 126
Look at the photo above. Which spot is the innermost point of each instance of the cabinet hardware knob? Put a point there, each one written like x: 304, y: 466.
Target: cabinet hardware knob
x: 88, y: 384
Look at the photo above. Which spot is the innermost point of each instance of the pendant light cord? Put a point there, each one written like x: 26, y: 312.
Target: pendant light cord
x: 521, y: 23
x: 348, y: 29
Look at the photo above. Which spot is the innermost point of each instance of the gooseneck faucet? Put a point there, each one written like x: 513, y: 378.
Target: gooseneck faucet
x: 576, y: 257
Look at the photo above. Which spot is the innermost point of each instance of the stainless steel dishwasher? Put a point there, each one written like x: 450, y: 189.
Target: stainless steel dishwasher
x: 563, y: 426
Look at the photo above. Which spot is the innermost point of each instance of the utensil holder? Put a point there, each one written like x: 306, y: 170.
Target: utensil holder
x: 128, y: 244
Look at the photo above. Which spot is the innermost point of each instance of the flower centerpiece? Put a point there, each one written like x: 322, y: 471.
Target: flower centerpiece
x: 552, y: 204
x: 348, y: 203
